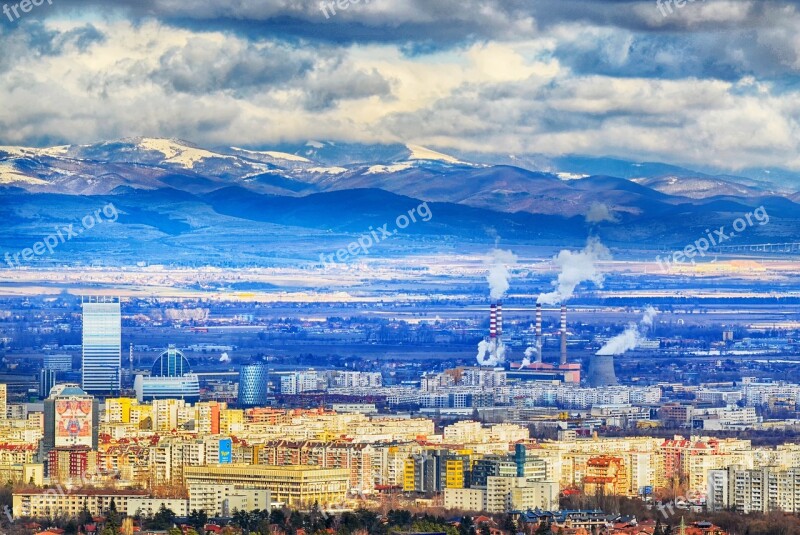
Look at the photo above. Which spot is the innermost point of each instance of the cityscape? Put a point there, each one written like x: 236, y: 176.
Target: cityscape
x: 435, y: 267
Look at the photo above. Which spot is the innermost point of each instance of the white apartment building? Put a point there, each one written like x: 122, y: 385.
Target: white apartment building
x: 759, y: 490
x: 224, y: 499
x: 504, y: 494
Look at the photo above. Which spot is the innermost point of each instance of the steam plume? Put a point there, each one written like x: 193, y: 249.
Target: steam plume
x: 491, y: 352
x: 576, y: 267
x: 498, y: 272
x: 600, y: 212
x: 631, y: 337
x: 530, y: 352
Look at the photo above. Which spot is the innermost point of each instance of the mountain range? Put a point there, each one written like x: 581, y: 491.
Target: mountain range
x: 180, y: 201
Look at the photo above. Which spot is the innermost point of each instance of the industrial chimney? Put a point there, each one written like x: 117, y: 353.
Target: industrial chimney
x: 499, y: 319
x: 563, y: 333
x: 539, y: 341
x: 493, y: 321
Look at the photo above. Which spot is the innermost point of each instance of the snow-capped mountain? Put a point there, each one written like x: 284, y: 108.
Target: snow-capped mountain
x: 565, y: 188
x: 183, y: 202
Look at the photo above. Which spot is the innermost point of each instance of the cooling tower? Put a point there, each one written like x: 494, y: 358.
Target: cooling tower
x: 539, y: 341
x: 563, y: 334
x: 601, y: 371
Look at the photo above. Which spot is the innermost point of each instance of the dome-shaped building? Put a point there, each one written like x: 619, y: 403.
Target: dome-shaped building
x: 171, y: 363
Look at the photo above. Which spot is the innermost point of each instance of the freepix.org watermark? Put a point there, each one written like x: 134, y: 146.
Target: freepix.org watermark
x: 26, y: 6
x: 713, y: 239
x: 328, y: 7
x: 665, y: 6
x: 62, y: 235
x: 375, y: 236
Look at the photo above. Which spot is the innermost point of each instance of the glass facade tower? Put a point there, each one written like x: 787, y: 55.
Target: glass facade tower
x: 102, y: 345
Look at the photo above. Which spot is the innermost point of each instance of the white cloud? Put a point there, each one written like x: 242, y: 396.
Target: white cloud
x: 521, y: 91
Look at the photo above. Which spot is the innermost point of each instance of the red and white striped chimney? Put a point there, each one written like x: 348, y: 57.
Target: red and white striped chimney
x: 539, y: 340
x: 499, y: 319
x: 493, y: 321
x: 563, y: 333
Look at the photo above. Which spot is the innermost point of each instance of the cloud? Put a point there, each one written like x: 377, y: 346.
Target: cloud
x: 576, y: 267
x: 599, y: 213
x: 715, y: 84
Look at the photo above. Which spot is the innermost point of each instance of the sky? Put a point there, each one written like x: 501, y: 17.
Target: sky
x: 711, y: 82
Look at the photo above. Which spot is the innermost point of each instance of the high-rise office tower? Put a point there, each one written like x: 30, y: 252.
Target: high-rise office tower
x: 253, y: 385
x: 102, y: 345
x: 47, y: 380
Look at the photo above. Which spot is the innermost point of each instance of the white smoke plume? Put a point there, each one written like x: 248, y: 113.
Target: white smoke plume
x: 529, y: 353
x: 576, y: 267
x: 224, y: 358
x: 631, y: 337
x: 491, y: 352
x: 650, y: 314
x: 498, y: 275
x: 600, y: 212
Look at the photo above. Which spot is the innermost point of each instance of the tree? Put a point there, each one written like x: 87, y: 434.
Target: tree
x: 113, y: 518
x: 466, y: 526
x: 198, y: 520
x: 127, y: 526
x: 277, y: 516
x: 243, y: 519
x: 508, y: 524
x: 163, y: 519
x: 85, y: 516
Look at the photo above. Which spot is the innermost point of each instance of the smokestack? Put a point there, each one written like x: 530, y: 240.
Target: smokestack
x: 563, y: 333
x: 493, y: 321
x: 539, y: 341
x: 499, y: 319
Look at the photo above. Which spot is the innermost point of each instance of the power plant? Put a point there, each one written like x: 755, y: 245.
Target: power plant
x: 601, y: 371
x: 493, y: 347
x: 539, y: 370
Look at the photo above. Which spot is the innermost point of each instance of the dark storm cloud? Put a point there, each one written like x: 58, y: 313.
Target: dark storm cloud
x: 715, y: 80
x: 202, y: 66
x: 439, y: 22
x: 724, y: 39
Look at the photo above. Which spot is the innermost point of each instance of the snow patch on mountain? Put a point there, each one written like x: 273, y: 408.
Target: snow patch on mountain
x: 421, y: 153
x: 571, y: 176
x: 9, y: 175
x: 394, y: 168
x: 328, y: 170
x: 28, y: 152
x: 276, y: 155
x: 177, y: 153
